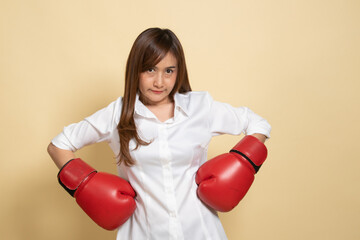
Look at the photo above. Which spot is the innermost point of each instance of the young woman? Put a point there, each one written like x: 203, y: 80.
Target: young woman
x: 160, y: 131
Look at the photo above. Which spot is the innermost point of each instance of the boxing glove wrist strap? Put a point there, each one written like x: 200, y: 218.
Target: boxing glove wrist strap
x: 256, y: 168
x: 73, y: 174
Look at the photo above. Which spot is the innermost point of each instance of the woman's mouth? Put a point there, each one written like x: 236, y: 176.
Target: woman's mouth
x: 156, y: 92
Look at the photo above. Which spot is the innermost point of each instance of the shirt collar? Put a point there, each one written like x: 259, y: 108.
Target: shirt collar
x: 181, y: 103
x: 180, y: 106
x: 141, y: 109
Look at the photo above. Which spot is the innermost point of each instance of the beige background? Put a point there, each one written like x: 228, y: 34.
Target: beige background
x: 296, y: 63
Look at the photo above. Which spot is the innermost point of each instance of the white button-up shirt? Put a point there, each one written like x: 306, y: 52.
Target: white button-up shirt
x: 164, y: 174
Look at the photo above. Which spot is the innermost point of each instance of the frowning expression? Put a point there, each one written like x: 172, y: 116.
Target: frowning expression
x: 157, y: 82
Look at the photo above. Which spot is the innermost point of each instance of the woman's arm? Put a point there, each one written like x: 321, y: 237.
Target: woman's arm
x: 260, y: 136
x: 60, y: 156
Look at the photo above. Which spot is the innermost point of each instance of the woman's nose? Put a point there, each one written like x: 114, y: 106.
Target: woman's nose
x: 159, y: 81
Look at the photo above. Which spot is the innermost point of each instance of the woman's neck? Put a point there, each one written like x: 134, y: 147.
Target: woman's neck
x: 163, y: 111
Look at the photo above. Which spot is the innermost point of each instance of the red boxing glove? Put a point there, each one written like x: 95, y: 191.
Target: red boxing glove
x: 224, y: 180
x: 106, y: 198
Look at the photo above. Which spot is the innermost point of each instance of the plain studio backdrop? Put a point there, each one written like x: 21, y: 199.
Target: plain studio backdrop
x: 296, y: 63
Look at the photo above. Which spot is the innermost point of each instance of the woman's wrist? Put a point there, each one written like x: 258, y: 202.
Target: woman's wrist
x: 260, y: 136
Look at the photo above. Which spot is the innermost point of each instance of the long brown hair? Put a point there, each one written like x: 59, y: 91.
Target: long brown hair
x: 149, y: 48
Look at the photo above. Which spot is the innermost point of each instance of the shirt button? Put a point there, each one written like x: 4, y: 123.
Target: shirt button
x: 172, y: 214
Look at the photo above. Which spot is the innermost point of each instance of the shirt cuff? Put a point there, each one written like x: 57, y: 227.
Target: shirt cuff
x: 62, y: 142
x: 265, y: 132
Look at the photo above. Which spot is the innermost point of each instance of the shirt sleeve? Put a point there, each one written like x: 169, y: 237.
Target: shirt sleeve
x: 93, y: 129
x: 226, y: 119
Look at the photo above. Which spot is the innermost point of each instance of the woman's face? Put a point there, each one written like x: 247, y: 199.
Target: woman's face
x: 157, y: 82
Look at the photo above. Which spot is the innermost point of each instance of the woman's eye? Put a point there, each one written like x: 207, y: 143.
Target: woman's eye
x: 150, y: 70
x: 169, y: 71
